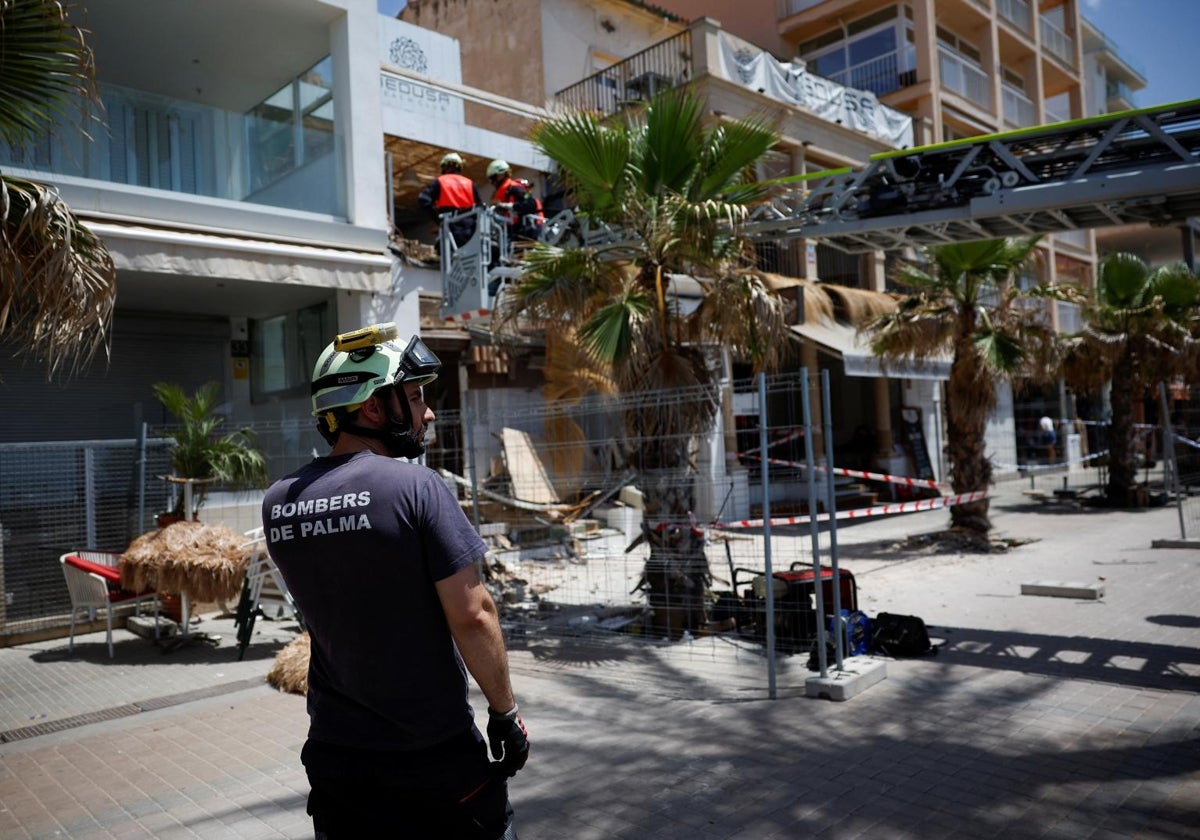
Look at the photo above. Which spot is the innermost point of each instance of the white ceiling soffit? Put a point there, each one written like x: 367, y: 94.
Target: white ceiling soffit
x: 157, y: 251
x: 855, y: 353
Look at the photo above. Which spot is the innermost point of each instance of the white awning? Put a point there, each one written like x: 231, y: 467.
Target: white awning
x: 164, y: 251
x: 855, y: 352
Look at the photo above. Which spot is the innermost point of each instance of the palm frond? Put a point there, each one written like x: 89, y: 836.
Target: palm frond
x: 47, y: 71
x: 57, y: 280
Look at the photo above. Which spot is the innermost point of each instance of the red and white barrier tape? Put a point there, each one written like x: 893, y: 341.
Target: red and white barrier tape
x: 473, y: 315
x: 798, y: 433
x: 908, y: 481
x: 863, y: 513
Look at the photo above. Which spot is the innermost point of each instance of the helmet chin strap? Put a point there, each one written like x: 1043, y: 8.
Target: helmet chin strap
x: 397, y: 435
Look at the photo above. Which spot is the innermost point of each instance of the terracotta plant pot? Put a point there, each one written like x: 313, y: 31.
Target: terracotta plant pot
x: 172, y: 606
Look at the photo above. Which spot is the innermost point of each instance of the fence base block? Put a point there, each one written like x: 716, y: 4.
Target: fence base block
x: 857, y: 675
x: 1060, y: 589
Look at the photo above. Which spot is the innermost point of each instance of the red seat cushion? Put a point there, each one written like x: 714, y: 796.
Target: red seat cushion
x: 110, y: 573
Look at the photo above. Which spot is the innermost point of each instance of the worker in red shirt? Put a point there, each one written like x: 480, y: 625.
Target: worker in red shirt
x: 452, y: 192
x: 519, y: 208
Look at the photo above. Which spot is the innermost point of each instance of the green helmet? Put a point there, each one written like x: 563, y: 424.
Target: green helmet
x: 346, y: 378
x: 452, y: 159
x: 497, y: 167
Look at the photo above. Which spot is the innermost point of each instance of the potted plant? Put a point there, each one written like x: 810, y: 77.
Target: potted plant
x: 202, y: 455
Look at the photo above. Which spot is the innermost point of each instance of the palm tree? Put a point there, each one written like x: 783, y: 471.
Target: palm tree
x: 201, y: 452
x: 677, y: 187
x: 1142, y: 327
x: 964, y: 302
x: 57, y: 280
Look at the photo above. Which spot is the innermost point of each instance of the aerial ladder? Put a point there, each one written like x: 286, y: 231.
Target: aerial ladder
x: 1129, y: 167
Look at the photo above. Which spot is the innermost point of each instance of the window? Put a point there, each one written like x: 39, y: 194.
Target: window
x: 292, y: 127
x: 283, y: 350
x: 869, y: 57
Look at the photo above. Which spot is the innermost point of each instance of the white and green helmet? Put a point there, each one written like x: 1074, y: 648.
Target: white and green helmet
x: 345, y: 379
x: 497, y: 167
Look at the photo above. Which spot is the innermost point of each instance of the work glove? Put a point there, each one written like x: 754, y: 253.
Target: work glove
x: 508, y: 740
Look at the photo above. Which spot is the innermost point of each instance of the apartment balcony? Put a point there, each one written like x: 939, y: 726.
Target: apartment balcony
x: 706, y: 52
x: 961, y: 77
x: 1058, y: 43
x: 1070, y: 317
x: 150, y: 141
x: 1017, y: 13
x: 787, y: 8
x: 1118, y: 96
x: 634, y: 80
x: 1019, y: 110
x: 880, y: 75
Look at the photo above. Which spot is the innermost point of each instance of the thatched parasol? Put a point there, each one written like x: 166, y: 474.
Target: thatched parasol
x: 208, y: 562
x: 290, y: 671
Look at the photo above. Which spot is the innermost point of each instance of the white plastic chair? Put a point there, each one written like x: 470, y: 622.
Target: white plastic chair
x: 264, y: 585
x: 92, y: 590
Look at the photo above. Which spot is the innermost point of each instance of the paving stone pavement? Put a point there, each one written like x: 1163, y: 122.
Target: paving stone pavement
x: 1039, y: 717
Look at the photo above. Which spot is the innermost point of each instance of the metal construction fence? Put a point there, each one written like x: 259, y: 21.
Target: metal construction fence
x: 605, y: 525
x: 1180, y: 432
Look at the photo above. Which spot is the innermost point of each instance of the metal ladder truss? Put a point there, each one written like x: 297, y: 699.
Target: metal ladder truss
x: 1123, y: 168
x: 1130, y: 167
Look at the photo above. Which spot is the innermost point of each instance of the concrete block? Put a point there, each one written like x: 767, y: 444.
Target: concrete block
x: 1061, y: 589
x: 857, y: 675
x: 625, y: 519
x: 143, y: 625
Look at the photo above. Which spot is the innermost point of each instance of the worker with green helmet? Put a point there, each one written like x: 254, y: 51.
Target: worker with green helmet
x: 452, y: 193
x: 382, y: 563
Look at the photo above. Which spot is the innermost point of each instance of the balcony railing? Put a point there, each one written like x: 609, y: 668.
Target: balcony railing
x: 179, y: 146
x: 1119, y: 91
x: 963, y: 78
x: 1058, y: 43
x: 1019, y: 110
x: 636, y: 79
x: 880, y: 75
x: 1070, y: 318
x: 786, y: 8
x: 1015, y: 12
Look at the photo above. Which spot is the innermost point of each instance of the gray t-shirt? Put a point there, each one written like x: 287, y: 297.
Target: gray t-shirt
x: 360, y: 540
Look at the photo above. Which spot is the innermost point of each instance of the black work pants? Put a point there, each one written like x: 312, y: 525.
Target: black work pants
x: 445, y: 792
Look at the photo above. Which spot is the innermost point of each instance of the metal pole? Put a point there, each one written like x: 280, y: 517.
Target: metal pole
x: 466, y: 416
x: 141, y: 521
x: 1169, y: 456
x: 89, y: 497
x: 766, y: 514
x: 831, y: 506
x: 812, y: 520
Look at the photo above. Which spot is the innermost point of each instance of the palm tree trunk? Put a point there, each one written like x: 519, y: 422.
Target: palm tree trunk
x: 1122, y: 471
x: 675, y: 577
x: 966, y: 422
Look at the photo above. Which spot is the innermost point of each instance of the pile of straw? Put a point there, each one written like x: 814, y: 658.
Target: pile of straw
x: 290, y: 671
x: 206, y: 561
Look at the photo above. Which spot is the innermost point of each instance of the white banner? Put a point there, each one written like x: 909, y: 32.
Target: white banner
x: 792, y: 83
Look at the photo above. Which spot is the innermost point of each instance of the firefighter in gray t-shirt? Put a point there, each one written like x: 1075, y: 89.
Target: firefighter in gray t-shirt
x: 382, y: 563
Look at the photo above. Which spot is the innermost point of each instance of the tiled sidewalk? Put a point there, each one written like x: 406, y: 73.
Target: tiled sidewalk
x: 1040, y: 717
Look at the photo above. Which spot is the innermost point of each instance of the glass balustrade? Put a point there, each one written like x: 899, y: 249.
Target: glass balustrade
x: 963, y: 78
x: 1058, y: 43
x: 283, y: 153
x: 1019, y: 110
